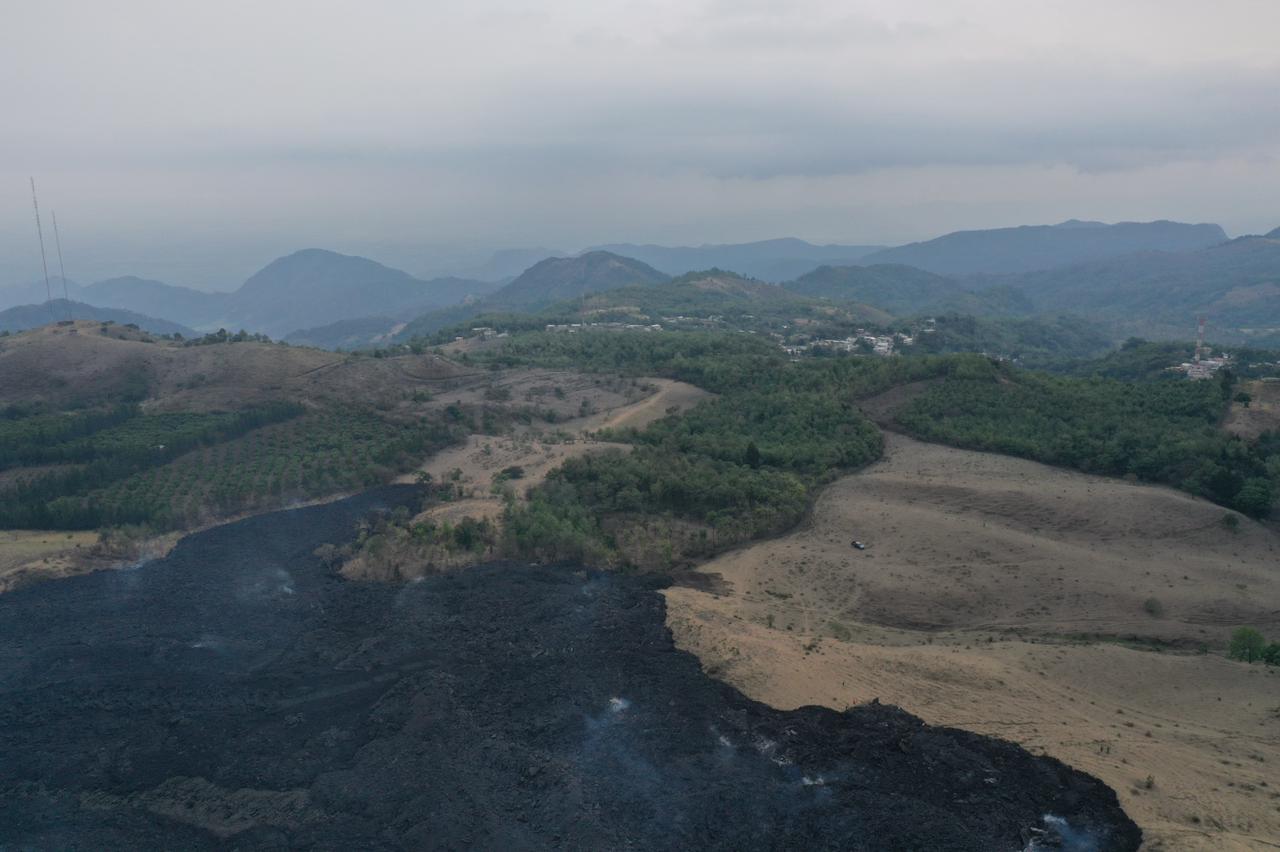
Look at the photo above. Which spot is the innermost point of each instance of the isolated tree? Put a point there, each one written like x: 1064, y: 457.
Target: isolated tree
x: 1247, y: 645
x: 753, y: 455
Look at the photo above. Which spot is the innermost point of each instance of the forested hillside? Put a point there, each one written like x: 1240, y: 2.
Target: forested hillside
x: 897, y: 289
x: 1041, y: 342
x: 733, y: 469
x: 779, y: 428
x: 1153, y: 431
x: 1235, y: 284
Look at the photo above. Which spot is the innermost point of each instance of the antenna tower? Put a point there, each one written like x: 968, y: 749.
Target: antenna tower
x: 1199, y: 337
x: 62, y: 270
x: 48, y: 290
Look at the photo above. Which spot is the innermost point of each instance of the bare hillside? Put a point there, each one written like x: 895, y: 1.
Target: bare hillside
x: 1063, y: 611
x: 89, y: 362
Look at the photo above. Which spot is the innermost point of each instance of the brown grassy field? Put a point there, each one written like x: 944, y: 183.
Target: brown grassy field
x: 59, y: 364
x: 1066, y: 612
x: 26, y: 554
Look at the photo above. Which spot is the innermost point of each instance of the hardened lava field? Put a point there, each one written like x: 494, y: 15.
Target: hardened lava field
x: 237, y: 694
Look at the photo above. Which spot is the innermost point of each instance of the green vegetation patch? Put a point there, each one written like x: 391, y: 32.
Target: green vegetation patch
x: 125, y: 445
x: 174, y: 470
x: 1154, y: 431
x: 1248, y: 645
x: 322, y: 453
x: 737, y: 467
x: 1035, y: 342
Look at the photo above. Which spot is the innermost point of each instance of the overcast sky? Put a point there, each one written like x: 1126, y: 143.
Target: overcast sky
x: 201, y: 139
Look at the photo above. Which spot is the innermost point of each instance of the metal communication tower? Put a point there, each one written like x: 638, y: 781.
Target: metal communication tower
x: 62, y: 270
x: 48, y: 290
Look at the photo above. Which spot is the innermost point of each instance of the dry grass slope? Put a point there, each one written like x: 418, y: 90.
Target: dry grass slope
x: 58, y: 364
x: 1011, y: 598
x: 1262, y: 414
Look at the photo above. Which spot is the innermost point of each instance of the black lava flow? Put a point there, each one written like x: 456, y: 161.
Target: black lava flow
x: 239, y: 695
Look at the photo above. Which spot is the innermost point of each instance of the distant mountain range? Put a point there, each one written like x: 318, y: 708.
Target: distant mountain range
x: 23, y: 317
x: 1032, y: 247
x: 1155, y: 291
x: 1235, y: 284
x: 193, y: 307
x: 34, y: 293
x: 1154, y: 276
x: 768, y: 260
x: 308, y: 288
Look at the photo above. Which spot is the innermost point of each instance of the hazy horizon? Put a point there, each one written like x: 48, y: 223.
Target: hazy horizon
x: 195, y: 144
x: 209, y: 268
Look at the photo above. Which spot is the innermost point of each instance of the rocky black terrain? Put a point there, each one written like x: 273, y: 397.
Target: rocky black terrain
x: 239, y: 695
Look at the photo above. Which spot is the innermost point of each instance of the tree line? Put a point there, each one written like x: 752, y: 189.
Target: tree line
x: 1167, y: 432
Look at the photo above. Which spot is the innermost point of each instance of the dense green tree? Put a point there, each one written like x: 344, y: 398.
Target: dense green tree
x: 1247, y: 645
x: 1254, y: 497
x: 1155, y: 431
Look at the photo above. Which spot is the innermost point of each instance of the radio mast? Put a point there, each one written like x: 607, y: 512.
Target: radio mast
x: 62, y: 270
x: 43, y: 262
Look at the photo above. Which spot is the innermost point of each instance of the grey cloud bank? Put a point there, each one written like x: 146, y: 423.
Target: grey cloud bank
x: 196, y: 141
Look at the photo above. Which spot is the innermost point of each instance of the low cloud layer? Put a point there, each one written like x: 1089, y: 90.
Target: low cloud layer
x: 240, y: 130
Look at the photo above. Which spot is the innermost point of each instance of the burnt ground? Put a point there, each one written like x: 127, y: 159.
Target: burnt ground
x: 238, y: 695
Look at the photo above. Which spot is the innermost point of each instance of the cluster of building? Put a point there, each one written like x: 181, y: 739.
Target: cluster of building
x: 1203, y: 365
x: 573, y: 327
x: 701, y: 322
x: 861, y: 342
x: 484, y: 333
